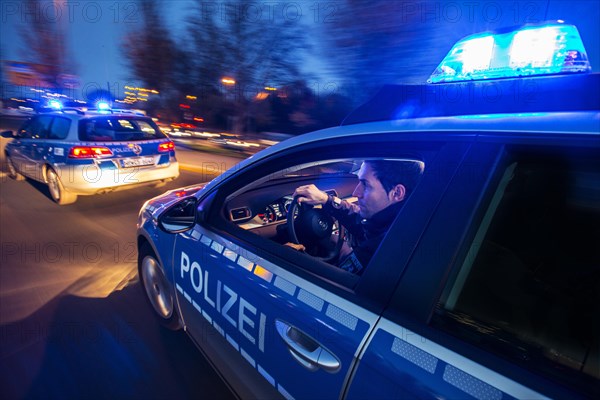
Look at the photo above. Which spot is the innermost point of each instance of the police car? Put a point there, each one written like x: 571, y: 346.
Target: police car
x: 77, y: 152
x: 486, y: 284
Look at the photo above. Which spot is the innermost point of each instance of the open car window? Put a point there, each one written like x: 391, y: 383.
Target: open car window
x: 262, y: 207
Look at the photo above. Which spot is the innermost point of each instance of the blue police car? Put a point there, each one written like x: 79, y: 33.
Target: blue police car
x: 77, y: 152
x: 486, y: 284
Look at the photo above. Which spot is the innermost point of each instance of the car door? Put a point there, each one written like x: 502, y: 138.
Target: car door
x: 296, y: 322
x: 17, y: 148
x: 30, y: 149
x: 498, y: 302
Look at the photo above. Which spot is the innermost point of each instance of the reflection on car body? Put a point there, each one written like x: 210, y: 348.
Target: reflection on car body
x: 485, y: 285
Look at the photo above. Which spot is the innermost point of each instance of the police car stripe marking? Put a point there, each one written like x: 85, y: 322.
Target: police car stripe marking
x: 310, y: 300
x: 206, y: 240
x: 232, y: 342
x: 285, y: 285
x: 467, y: 366
x: 245, y: 263
x: 230, y: 254
x: 470, y: 385
x: 179, y: 288
x: 341, y: 316
x: 195, y: 234
x: 263, y: 273
x: 307, y: 297
x: 335, y: 312
x: 248, y: 357
x: 284, y: 393
x: 216, y: 246
x: 265, y: 374
x: 218, y: 328
x: 415, y: 355
x: 197, y: 306
x: 206, y: 316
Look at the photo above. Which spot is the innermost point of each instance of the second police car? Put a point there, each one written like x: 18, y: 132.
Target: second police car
x: 486, y: 284
x: 77, y: 152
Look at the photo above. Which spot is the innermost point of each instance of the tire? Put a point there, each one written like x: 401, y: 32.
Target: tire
x: 12, y: 171
x: 156, y: 289
x: 57, y: 190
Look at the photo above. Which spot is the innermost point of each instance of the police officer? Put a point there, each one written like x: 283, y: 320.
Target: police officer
x: 382, y: 188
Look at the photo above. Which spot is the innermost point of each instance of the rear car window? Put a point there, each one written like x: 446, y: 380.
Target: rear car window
x: 118, y: 128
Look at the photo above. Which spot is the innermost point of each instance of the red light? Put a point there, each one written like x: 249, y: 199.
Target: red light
x: 184, y: 106
x: 89, y: 152
x: 167, y: 146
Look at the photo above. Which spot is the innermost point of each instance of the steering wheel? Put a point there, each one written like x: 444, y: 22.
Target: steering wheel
x: 314, y: 227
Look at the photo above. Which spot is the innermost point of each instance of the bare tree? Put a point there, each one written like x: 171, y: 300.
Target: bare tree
x: 45, y: 42
x: 253, y: 46
x: 150, y: 50
x: 381, y: 42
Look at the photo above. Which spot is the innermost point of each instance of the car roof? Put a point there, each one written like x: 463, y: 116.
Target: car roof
x: 77, y: 113
x: 542, y: 125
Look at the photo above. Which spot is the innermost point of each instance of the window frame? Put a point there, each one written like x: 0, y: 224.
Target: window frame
x: 352, y: 147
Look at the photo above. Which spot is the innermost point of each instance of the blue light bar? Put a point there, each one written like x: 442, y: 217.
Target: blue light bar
x: 552, y: 48
x: 55, y: 104
x: 103, y: 106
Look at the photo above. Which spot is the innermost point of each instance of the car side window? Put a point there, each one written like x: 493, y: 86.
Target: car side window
x: 60, y: 128
x: 529, y: 284
x: 36, y: 128
x: 264, y: 207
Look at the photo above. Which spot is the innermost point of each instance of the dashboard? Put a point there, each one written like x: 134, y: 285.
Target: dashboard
x: 273, y: 212
x: 267, y: 206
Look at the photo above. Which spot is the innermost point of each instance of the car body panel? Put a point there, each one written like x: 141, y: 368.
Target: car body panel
x: 384, y: 327
x: 225, y: 285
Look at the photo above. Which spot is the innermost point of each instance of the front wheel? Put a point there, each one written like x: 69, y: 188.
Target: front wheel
x: 157, y: 290
x: 57, y: 190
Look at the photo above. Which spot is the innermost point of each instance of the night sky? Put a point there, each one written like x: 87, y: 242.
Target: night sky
x: 96, y: 28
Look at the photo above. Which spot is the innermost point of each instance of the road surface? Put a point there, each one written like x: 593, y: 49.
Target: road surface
x: 74, y: 323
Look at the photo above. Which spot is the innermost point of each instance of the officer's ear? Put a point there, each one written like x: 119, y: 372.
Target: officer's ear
x: 397, y: 193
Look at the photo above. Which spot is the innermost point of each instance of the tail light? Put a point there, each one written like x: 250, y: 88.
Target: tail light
x: 89, y: 152
x: 167, y: 146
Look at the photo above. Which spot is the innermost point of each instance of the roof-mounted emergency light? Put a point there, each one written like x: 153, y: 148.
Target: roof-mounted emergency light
x: 552, y: 48
x: 103, y: 106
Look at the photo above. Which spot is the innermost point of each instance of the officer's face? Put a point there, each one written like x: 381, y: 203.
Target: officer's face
x: 371, y: 195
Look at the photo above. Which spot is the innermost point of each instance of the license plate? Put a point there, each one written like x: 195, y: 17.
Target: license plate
x: 137, y: 162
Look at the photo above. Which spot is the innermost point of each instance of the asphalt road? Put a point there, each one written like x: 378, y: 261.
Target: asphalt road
x: 74, y: 323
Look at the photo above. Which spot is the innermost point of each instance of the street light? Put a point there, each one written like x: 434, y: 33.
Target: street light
x: 227, y: 81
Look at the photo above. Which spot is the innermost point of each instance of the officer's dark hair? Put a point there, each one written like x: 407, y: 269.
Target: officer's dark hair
x: 391, y: 172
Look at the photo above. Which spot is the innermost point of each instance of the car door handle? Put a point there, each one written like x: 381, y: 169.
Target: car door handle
x: 307, y: 351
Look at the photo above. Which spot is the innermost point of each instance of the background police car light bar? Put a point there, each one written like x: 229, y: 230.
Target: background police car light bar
x: 522, y: 95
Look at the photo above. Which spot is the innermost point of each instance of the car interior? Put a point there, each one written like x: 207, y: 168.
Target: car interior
x: 263, y: 207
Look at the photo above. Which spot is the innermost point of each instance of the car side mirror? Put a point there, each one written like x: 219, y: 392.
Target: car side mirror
x: 7, y: 134
x: 180, y: 217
